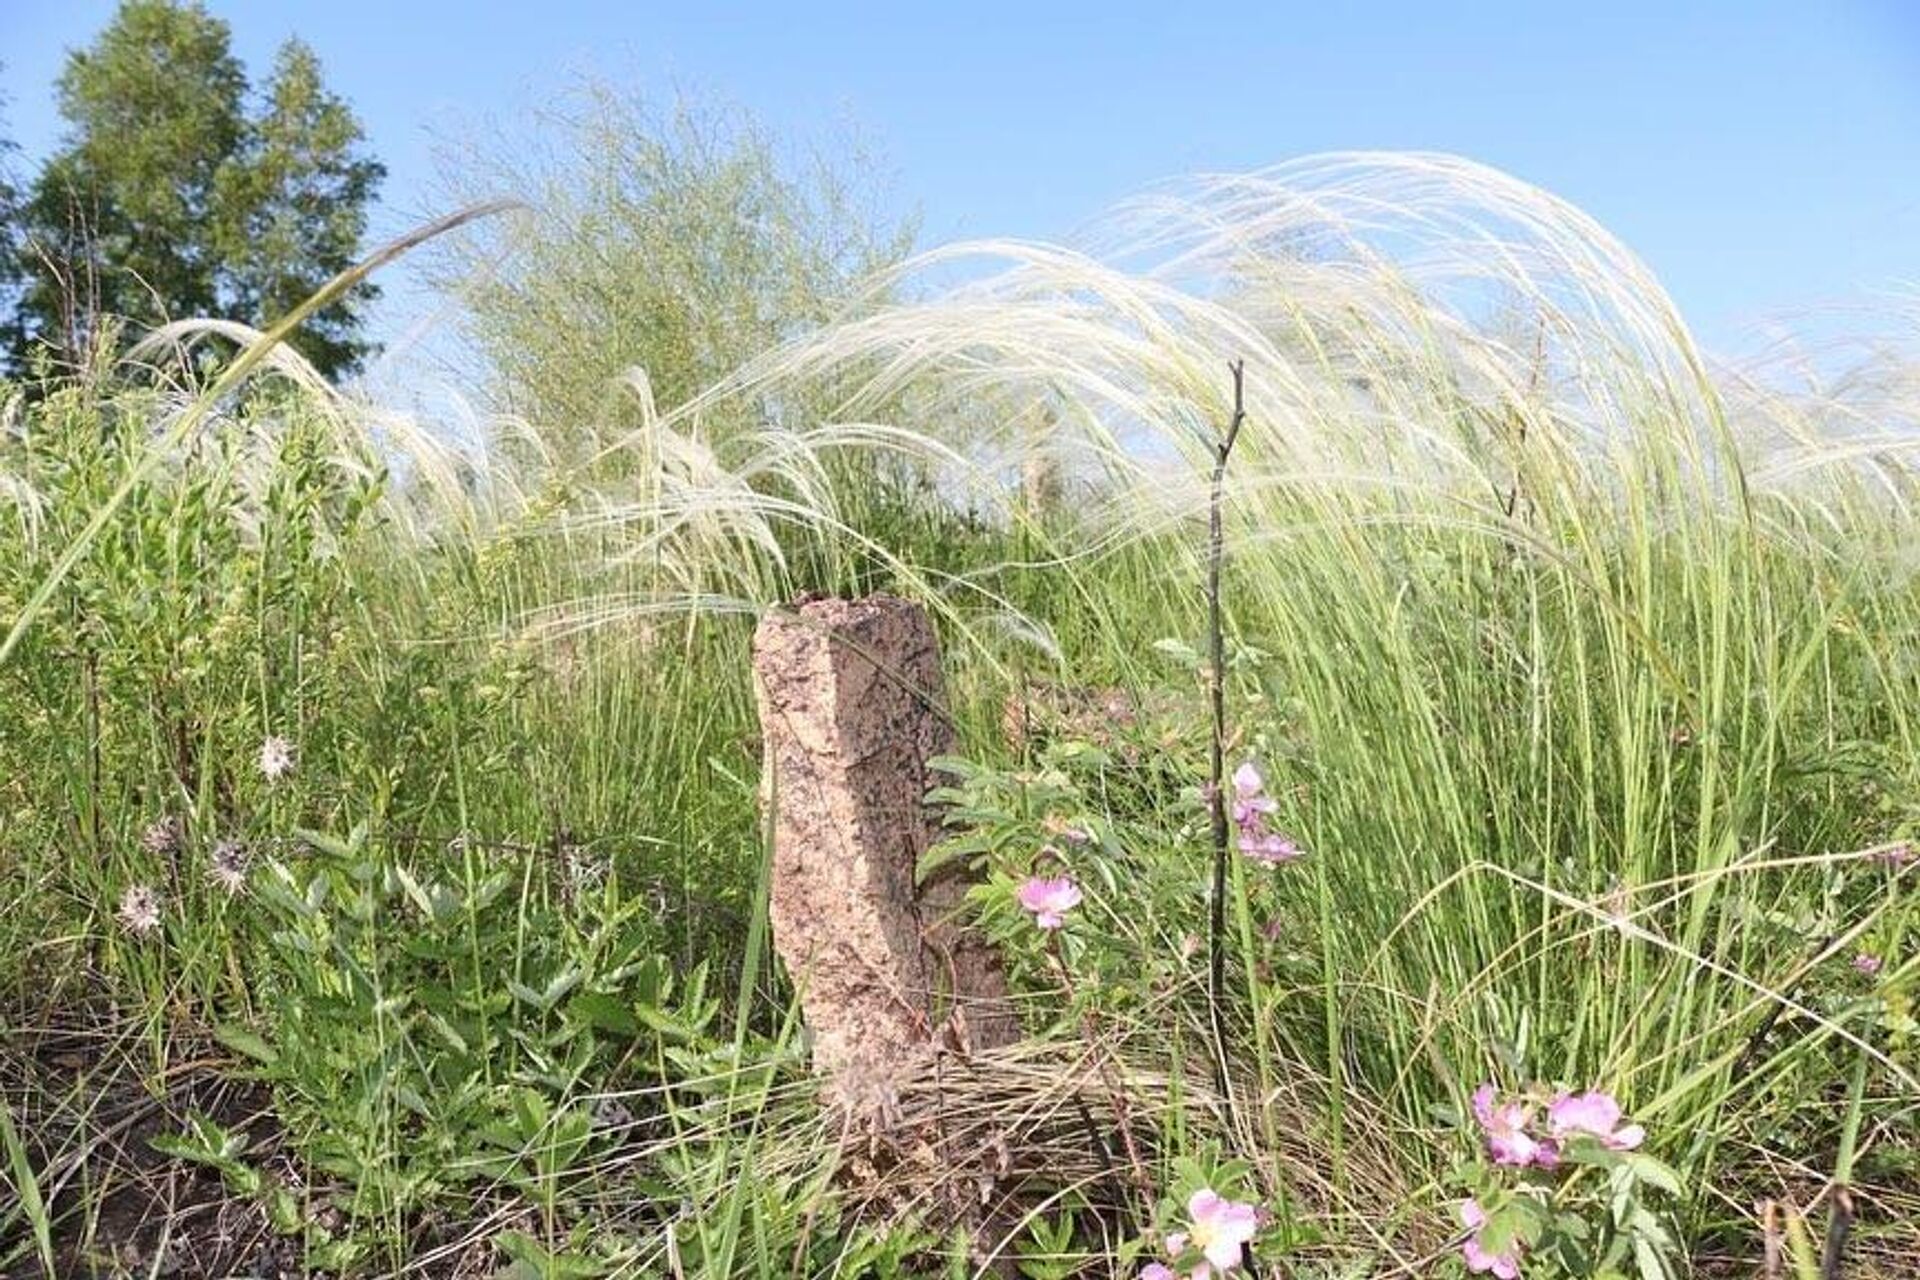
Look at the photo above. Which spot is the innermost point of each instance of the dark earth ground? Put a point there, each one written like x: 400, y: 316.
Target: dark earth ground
x: 87, y: 1098
x: 87, y: 1101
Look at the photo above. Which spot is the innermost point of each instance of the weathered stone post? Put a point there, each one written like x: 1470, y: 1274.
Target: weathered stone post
x: 851, y: 708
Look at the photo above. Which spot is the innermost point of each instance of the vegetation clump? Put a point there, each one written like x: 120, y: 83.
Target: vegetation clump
x: 1507, y: 868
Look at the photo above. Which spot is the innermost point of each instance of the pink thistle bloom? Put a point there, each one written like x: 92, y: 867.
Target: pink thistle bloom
x: 1503, y: 1266
x: 1868, y: 963
x: 1595, y: 1114
x: 1220, y: 1228
x: 1250, y: 801
x: 1049, y: 899
x: 1508, y: 1140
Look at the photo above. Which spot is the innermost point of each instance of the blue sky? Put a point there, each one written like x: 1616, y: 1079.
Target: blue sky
x: 1763, y: 157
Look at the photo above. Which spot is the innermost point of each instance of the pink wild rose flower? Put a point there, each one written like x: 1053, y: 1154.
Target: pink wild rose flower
x: 1270, y: 847
x: 1177, y: 1245
x: 1049, y: 899
x: 1503, y: 1266
x: 1251, y: 803
x: 1509, y: 1141
x: 1596, y: 1115
x: 1220, y: 1228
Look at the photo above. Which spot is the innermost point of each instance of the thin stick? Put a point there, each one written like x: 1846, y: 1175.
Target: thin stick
x: 1216, y: 689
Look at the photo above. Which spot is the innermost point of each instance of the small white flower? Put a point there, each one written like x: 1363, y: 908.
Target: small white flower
x: 228, y: 867
x: 162, y: 836
x: 276, y: 758
x: 139, y: 910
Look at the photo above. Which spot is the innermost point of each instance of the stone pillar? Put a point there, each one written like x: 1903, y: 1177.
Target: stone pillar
x: 851, y: 709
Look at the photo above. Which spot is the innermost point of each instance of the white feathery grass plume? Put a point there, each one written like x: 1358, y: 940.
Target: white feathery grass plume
x: 1362, y: 291
x: 1415, y: 326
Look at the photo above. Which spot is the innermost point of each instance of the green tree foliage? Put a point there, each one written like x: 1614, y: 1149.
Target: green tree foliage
x: 117, y: 221
x: 169, y: 200
x: 295, y: 205
x: 679, y: 242
x: 9, y: 225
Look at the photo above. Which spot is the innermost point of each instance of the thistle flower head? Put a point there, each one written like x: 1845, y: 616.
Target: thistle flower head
x: 162, y: 836
x: 139, y: 912
x: 227, y: 865
x: 276, y: 758
x: 1868, y: 963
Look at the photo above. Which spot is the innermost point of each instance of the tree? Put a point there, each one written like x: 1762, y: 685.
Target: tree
x: 295, y: 206
x: 117, y: 222
x: 9, y: 222
x: 168, y: 201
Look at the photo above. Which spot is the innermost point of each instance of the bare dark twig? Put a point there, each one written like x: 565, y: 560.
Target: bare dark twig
x: 1217, y: 748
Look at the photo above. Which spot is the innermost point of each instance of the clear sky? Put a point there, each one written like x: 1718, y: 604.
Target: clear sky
x: 1763, y: 157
